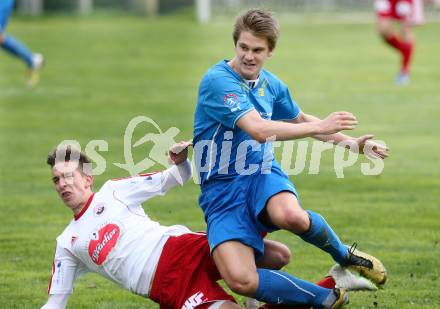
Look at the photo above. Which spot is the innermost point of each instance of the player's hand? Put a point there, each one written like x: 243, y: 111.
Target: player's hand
x: 336, y: 122
x: 178, y: 153
x: 370, y: 148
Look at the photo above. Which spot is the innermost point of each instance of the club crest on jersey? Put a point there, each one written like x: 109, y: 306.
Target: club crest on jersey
x: 232, y: 101
x: 99, y: 209
x: 102, y: 243
x: 73, y: 240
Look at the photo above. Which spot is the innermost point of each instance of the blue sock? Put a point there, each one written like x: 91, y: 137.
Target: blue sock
x: 322, y: 236
x: 17, y: 48
x: 277, y: 287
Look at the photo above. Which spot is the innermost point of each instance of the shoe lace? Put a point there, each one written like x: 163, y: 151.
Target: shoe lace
x: 352, y: 249
x: 356, y: 259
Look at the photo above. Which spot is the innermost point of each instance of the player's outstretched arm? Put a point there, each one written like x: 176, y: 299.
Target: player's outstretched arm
x: 56, y: 301
x: 134, y: 191
x: 178, y: 153
x: 363, y: 144
x: 262, y: 130
x: 67, y: 270
x: 181, y: 171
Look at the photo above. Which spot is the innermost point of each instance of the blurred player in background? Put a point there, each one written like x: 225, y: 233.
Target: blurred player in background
x: 407, y: 13
x: 13, y: 46
x: 111, y: 235
x: 241, y: 108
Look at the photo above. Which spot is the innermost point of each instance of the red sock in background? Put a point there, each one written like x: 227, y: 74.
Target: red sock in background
x: 405, y: 49
x: 327, y: 283
x: 407, y: 55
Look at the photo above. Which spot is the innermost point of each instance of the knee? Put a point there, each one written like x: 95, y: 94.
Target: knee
x: 384, y: 29
x: 297, y: 220
x: 243, y: 283
x: 283, y: 256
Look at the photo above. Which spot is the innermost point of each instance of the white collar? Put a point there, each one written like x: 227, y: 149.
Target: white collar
x: 252, y: 83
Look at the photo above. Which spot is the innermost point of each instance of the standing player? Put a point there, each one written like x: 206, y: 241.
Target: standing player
x: 13, y: 46
x: 112, y: 236
x: 244, y: 192
x: 407, y: 13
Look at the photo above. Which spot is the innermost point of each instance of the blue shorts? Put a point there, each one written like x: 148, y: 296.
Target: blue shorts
x: 231, y: 207
x: 6, y: 7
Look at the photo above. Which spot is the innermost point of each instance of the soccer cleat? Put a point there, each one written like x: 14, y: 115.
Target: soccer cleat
x: 339, y: 299
x: 366, y: 265
x: 350, y: 281
x: 252, y: 303
x: 402, y: 79
x: 37, y: 64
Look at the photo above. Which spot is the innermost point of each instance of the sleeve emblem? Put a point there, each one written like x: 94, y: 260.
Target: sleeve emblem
x: 232, y: 101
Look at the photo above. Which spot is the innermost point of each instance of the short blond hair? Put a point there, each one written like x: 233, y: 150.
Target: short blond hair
x: 260, y: 23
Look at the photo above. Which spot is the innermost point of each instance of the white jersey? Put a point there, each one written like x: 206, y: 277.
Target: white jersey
x: 112, y: 236
x: 417, y: 13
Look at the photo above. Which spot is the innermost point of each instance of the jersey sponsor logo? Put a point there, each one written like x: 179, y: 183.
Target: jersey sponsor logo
x: 102, y: 243
x: 232, y: 101
x: 194, y: 300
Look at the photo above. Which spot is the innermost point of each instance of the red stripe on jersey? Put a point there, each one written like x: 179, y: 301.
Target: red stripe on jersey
x: 53, y: 270
x: 86, y: 206
x: 145, y: 174
x: 51, y: 276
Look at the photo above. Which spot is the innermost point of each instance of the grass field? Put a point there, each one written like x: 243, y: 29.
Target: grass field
x: 103, y: 71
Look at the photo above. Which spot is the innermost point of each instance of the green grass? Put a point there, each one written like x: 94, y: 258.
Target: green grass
x: 103, y: 71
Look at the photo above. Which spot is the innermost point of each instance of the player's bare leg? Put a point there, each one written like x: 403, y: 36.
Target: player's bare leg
x: 236, y: 264
x: 402, y: 43
x: 276, y: 255
x: 408, y: 38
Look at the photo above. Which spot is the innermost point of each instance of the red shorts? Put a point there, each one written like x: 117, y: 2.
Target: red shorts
x: 409, y: 11
x: 186, y: 276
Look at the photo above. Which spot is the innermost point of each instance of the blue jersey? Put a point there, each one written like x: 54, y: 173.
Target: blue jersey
x: 6, y: 7
x: 223, y: 150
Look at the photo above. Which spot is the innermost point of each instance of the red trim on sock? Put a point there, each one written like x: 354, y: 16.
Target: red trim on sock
x: 327, y: 282
x: 405, y: 49
x: 407, y: 55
